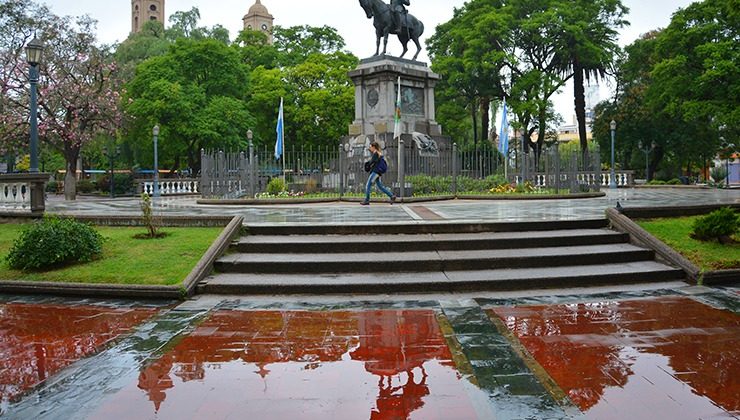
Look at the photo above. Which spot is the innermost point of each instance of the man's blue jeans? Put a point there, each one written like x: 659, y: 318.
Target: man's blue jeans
x: 374, y: 178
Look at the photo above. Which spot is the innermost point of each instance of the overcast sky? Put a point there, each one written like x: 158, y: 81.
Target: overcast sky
x: 114, y: 21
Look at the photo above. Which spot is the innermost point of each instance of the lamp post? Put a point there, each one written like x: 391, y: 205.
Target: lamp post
x: 155, y: 134
x: 647, y: 148
x: 111, y: 156
x: 250, y: 134
x: 34, y: 51
x: 613, y: 175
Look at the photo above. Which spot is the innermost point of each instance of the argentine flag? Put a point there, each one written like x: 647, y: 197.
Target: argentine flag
x: 279, y: 144
x: 503, y: 139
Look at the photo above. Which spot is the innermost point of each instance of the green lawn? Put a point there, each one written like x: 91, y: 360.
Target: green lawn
x: 707, y: 255
x: 125, y: 260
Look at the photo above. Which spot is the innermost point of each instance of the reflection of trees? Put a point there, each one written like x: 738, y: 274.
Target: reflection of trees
x: 394, y: 345
x: 582, y: 346
x: 38, y: 340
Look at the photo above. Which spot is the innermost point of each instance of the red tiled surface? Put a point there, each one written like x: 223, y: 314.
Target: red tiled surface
x: 302, y: 365
x: 38, y: 340
x: 669, y: 357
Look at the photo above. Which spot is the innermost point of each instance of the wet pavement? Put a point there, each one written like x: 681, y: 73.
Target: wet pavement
x: 643, y: 352
x: 490, y: 210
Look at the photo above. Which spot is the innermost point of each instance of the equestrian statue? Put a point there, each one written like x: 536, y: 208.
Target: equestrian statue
x: 393, y: 18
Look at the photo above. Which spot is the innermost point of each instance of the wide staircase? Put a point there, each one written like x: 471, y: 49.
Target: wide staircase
x: 432, y: 257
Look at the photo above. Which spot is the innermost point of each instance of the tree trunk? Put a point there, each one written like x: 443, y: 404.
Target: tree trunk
x: 655, y: 162
x: 579, y: 99
x: 70, y: 180
x: 474, y: 116
x: 485, y: 107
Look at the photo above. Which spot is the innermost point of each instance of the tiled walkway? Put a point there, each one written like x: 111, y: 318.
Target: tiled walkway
x: 493, y: 210
x: 641, y: 353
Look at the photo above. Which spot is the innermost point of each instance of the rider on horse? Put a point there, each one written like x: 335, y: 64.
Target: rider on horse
x: 397, y: 11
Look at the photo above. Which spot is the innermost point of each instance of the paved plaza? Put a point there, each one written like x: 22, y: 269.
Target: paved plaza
x: 344, y: 212
x: 663, y: 351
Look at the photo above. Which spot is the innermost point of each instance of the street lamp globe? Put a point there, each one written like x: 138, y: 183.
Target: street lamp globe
x: 34, y: 52
x: 155, y: 130
x: 249, y: 135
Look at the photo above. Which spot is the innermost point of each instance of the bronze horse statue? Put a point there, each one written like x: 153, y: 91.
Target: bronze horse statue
x: 411, y: 27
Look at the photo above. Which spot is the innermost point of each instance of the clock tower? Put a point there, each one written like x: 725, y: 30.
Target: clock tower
x: 259, y: 19
x: 145, y: 10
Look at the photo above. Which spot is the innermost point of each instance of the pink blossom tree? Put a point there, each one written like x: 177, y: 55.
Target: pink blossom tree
x: 78, y: 93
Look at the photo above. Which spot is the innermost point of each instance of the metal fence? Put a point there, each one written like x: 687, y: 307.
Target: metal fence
x: 340, y: 171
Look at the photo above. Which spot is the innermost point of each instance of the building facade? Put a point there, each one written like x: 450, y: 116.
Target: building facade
x: 259, y: 19
x: 143, y: 11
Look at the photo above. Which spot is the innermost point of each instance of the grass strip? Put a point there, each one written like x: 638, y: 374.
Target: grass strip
x: 125, y: 260
x: 675, y: 232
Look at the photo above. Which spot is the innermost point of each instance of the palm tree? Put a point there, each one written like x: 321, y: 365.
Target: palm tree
x: 588, y: 47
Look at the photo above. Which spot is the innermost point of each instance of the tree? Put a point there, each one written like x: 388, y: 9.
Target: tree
x: 697, y: 74
x: 77, y: 98
x: 586, y: 38
x: 197, y: 94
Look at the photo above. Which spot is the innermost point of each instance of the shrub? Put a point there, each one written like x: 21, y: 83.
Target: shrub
x: 122, y: 183
x: 151, y: 222
x: 311, y: 186
x: 718, y: 225
x: 85, y: 186
x: 656, y: 182
x: 719, y: 174
x: 276, y: 186
x: 54, y: 242
x: 52, y: 187
x: 674, y: 181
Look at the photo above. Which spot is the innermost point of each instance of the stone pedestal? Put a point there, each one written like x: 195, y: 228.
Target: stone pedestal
x: 376, y: 89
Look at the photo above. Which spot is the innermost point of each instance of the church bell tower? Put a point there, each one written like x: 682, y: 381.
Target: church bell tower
x: 259, y: 19
x: 146, y: 10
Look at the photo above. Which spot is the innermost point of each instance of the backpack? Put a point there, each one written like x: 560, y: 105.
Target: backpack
x: 382, y: 166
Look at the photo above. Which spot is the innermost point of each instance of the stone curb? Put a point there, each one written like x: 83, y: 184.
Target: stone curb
x: 674, y: 211
x: 217, y: 248
x: 290, y: 201
x: 166, y: 221
x: 642, y: 237
x: 186, y: 288
x: 534, y: 196
x: 679, y: 186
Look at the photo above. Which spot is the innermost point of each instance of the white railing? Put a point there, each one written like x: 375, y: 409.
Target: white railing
x: 172, y: 187
x: 623, y: 178
x: 15, y: 196
x: 23, y: 193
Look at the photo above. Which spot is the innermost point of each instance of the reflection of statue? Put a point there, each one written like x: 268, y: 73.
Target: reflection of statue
x: 393, y: 19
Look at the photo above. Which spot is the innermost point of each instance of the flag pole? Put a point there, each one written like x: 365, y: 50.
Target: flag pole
x: 397, y: 133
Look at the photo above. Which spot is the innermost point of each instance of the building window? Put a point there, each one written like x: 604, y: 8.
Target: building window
x: 249, y: 27
x: 152, y: 18
x: 136, y: 7
x: 264, y: 27
x: 153, y: 7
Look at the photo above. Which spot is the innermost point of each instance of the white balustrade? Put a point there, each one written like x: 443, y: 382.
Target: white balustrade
x: 15, y: 196
x: 172, y: 186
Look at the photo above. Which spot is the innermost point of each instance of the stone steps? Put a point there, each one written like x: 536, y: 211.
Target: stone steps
x: 269, y: 244
x: 438, y: 281
x: 415, y: 261
x: 384, y: 258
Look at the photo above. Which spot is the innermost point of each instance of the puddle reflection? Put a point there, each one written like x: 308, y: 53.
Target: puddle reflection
x: 38, y: 340
x: 628, y: 359
x: 300, y: 364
